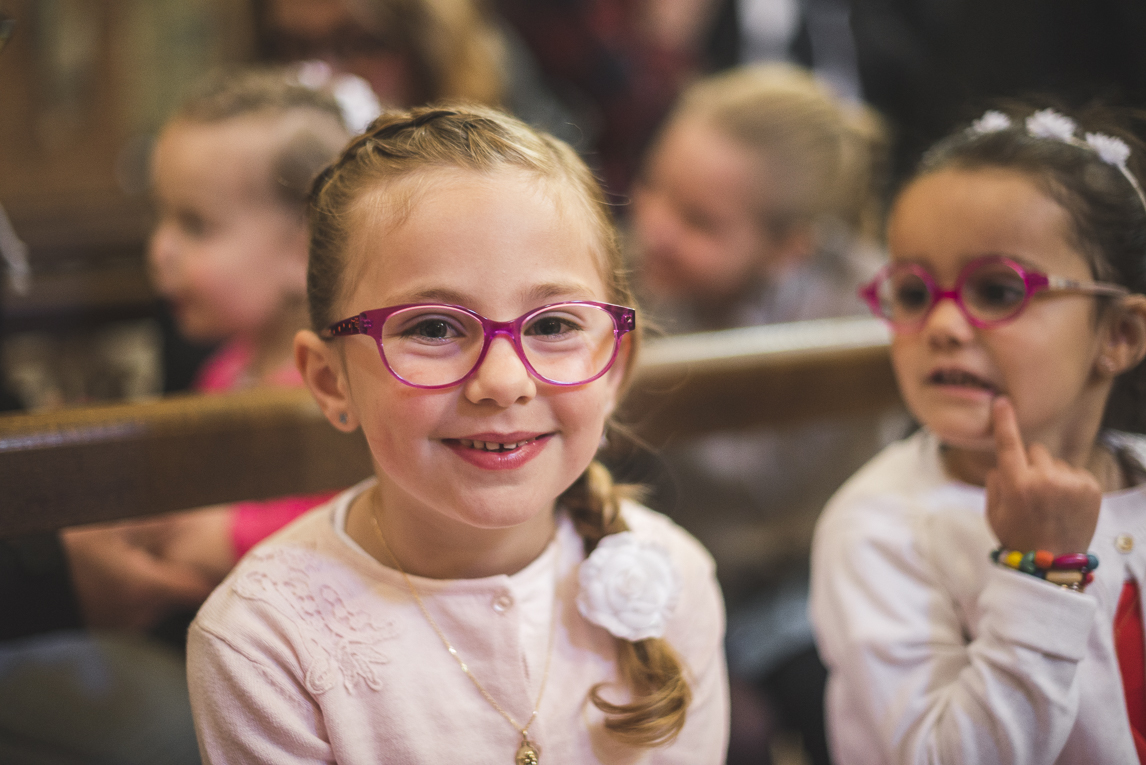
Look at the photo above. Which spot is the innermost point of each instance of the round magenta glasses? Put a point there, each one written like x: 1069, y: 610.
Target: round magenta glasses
x: 989, y: 291
x: 432, y: 345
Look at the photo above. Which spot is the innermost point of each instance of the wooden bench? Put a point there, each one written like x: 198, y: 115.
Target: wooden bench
x: 102, y: 463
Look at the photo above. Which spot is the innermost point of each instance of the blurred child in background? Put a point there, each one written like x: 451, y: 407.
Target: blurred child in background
x: 231, y: 172
x: 759, y: 203
x: 232, y: 169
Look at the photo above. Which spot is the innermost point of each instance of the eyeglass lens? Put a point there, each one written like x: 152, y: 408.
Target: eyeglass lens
x: 437, y: 345
x: 993, y: 291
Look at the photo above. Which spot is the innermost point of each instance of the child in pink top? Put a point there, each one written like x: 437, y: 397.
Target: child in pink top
x: 231, y: 171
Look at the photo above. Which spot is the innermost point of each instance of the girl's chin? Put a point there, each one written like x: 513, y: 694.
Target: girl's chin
x: 975, y: 439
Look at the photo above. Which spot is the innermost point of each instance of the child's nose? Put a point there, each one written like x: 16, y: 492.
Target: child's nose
x: 502, y: 377
x: 946, y: 324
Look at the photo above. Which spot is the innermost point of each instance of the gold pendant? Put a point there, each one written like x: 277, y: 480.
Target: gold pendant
x: 527, y: 753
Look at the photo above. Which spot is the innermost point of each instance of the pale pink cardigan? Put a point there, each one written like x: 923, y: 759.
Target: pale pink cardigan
x: 311, y: 651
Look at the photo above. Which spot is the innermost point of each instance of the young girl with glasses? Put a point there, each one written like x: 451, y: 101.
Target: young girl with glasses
x: 488, y: 596
x: 957, y: 594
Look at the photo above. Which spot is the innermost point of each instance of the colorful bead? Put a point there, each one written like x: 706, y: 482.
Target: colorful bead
x: 1067, y: 576
x: 1071, y: 570
x: 1072, y: 561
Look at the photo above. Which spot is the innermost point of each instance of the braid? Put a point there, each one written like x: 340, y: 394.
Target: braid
x: 593, y: 502
x: 650, y: 668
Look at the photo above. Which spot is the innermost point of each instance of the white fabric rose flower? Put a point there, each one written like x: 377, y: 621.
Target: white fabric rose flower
x: 629, y: 587
x: 1047, y: 123
x: 991, y: 122
x: 1113, y: 151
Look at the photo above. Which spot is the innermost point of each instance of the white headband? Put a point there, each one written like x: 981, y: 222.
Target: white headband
x: 1047, y: 123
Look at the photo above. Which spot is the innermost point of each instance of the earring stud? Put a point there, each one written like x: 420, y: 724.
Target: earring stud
x: 342, y: 418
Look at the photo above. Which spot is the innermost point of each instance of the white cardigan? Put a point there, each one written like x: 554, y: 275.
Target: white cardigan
x: 311, y: 651
x: 937, y: 655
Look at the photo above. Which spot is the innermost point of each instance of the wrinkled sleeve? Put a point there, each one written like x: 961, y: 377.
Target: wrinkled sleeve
x: 907, y: 683
x: 248, y: 704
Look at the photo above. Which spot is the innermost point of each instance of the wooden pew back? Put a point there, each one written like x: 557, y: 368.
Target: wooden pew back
x: 102, y: 463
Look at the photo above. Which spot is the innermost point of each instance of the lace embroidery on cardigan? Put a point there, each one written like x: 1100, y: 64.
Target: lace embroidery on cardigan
x: 343, y: 640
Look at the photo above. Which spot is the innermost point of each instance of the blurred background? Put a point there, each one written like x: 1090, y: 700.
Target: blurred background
x: 86, y: 85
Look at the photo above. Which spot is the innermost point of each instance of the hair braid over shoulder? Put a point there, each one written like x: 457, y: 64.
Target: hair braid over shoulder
x: 651, y: 668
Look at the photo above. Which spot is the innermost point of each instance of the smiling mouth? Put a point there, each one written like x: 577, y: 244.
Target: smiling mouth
x: 958, y: 377
x: 491, y: 446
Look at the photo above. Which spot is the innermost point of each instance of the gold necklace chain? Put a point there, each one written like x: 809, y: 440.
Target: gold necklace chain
x: 527, y: 752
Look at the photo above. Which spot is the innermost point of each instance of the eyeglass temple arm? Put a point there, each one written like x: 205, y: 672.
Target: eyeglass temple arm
x: 355, y: 325
x: 1096, y: 288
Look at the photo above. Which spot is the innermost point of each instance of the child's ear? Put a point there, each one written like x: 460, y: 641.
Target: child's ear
x: 1125, y: 343
x: 323, y: 372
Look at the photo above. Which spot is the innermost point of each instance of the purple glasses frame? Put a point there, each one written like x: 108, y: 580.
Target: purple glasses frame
x: 1033, y: 282
x: 371, y: 323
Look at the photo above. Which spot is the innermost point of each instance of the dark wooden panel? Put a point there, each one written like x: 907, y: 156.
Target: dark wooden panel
x: 102, y: 463
x: 774, y: 375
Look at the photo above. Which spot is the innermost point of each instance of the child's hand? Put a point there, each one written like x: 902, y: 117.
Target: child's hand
x: 1034, y: 501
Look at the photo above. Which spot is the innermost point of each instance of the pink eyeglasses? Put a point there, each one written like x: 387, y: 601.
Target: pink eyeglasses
x: 989, y: 291
x: 430, y: 345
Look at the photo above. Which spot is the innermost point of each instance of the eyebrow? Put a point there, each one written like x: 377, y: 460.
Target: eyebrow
x: 539, y: 293
x: 966, y: 260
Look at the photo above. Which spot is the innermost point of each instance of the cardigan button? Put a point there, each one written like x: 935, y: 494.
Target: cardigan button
x: 1124, y: 543
x: 502, y: 602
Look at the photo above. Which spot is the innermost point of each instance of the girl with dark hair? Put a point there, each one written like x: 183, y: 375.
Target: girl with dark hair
x: 956, y: 589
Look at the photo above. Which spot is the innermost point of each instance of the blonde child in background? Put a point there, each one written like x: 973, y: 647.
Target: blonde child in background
x: 954, y: 600
x: 759, y: 202
x: 231, y: 171
x: 445, y: 608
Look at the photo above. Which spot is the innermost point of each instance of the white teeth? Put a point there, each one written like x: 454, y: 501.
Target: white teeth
x: 490, y: 446
x: 958, y: 377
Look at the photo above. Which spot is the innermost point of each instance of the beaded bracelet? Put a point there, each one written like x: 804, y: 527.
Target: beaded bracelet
x: 1073, y: 570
